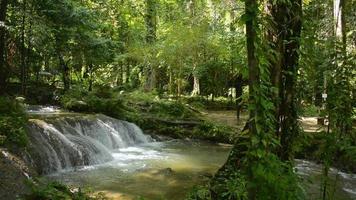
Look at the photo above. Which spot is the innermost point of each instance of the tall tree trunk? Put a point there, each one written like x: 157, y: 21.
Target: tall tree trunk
x: 91, y: 78
x: 151, y: 26
x: 29, y: 51
x: 3, y: 70
x: 191, y: 4
x: 23, y: 50
x: 251, y: 8
x: 196, y: 86
x: 238, y: 88
x: 341, y: 118
x: 287, y: 17
x: 65, y: 72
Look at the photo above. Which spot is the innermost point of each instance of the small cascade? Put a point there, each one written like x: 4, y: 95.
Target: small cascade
x: 67, y: 142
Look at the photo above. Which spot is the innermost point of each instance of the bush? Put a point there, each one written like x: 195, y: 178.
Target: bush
x: 98, y: 101
x: 310, y: 111
x: 215, y: 132
x: 12, y: 123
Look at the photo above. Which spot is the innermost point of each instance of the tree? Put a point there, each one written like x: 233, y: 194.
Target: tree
x: 151, y: 25
x: 285, y: 38
x: 251, y: 8
x: 3, y: 70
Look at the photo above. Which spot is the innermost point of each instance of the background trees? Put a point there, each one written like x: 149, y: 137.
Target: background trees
x: 178, y: 47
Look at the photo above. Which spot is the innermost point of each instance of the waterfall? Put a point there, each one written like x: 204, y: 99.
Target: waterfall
x: 66, y: 142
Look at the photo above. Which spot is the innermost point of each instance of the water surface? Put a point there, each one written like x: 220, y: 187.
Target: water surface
x: 159, y: 170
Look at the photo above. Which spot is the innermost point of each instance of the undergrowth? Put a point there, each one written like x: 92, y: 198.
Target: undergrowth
x: 12, y: 123
x: 58, y: 191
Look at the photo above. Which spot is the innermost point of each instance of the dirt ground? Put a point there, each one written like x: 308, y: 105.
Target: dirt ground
x: 228, y: 117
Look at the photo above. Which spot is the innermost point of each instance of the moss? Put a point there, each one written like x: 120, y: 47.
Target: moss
x: 58, y: 191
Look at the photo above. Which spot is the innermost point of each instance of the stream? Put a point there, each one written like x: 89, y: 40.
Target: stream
x: 115, y: 157
x: 159, y: 170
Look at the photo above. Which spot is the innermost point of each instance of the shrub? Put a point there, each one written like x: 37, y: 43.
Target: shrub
x: 98, y: 101
x: 310, y: 111
x: 12, y: 123
x: 215, y: 132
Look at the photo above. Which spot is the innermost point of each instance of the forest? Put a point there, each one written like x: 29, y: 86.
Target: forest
x: 178, y: 99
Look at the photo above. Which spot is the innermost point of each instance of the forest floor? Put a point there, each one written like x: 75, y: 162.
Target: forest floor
x: 228, y: 117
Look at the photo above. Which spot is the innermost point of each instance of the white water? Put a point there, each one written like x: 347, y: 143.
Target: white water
x: 37, y: 109
x: 68, y: 142
x: 341, y: 186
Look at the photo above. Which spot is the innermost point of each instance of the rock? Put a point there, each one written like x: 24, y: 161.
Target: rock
x: 20, y: 99
x: 165, y: 171
x: 13, y: 176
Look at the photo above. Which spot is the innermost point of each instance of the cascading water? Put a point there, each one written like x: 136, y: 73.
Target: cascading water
x: 67, y: 142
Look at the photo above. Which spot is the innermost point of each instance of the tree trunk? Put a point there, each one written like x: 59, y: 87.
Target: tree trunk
x: 23, y: 51
x: 285, y: 39
x: 65, y: 72
x: 170, y: 86
x: 196, y: 86
x: 3, y: 70
x: 340, y: 119
x: 90, y: 68
x: 251, y: 8
x: 29, y: 51
x: 238, y: 88
x: 151, y: 26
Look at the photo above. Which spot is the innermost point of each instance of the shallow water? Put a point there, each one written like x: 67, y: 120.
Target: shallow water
x: 341, y: 186
x: 169, y: 170
x: 160, y: 170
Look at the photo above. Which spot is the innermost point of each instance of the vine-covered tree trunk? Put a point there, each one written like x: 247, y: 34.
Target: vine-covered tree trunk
x: 251, y: 8
x: 3, y: 71
x: 340, y: 104
x: 288, y: 110
x: 286, y: 20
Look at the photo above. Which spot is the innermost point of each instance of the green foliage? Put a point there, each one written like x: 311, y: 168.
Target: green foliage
x: 275, y: 179
x: 99, y: 101
x: 12, y: 123
x: 199, y: 193
x: 310, y: 111
x: 215, y: 132
x: 160, y: 107
x: 58, y: 191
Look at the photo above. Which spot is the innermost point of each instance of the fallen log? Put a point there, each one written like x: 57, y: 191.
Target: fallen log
x: 177, y: 122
